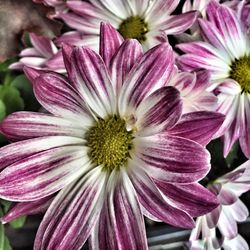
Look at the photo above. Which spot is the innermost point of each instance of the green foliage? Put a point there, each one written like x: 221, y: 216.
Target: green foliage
x: 4, y: 242
x: 2, y: 110
x: 12, y: 99
x: 22, y: 84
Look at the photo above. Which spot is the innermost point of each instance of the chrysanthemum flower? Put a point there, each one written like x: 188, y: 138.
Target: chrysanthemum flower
x: 147, y: 21
x: 113, y: 146
x: 225, y: 217
x: 225, y: 53
x: 43, y: 55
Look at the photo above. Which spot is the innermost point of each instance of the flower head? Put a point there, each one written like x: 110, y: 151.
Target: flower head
x: 115, y: 147
x: 43, y: 55
x: 225, y: 53
x: 231, y: 210
x: 147, y: 21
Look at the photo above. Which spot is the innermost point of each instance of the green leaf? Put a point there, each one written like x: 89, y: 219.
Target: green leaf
x: 5, y: 206
x: 2, y: 110
x: 4, y: 65
x: 25, y: 87
x: 4, y: 242
x: 10, y: 96
x: 18, y: 223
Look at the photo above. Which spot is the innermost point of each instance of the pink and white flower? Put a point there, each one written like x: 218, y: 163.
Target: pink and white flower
x: 115, y: 146
x: 147, y: 21
x: 225, y: 53
x: 43, y: 55
x: 225, y: 217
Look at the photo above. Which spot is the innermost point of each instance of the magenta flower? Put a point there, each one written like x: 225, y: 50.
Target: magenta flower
x: 225, y: 217
x: 225, y: 53
x: 115, y: 147
x: 147, y: 21
x: 43, y: 55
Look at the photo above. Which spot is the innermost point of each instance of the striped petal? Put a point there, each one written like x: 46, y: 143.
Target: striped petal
x: 91, y: 79
x: 192, y: 198
x: 58, y: 97
x: 158, y: 112
x: 198, y: 126
x: 110, y: 41
x: 229, y: 28
x: 73, y: 213
x: 124, y: 227
x: 43, y: 45
x: 151, y: 199
x: 161, y: 8
x: 177, y: 24
x: 27, y: 208
x: 122, y: 62
x: 18, y: 151
x: 26, y: 125
x: 245, y: 138
x: 172, y: 159
x: 151, y: 72
x: 43, y: 174
x: 226, y: 225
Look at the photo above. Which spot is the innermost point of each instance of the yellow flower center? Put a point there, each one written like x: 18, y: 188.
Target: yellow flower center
x: 109, y: 143
x: 240, y: 72
x: 134, y: 27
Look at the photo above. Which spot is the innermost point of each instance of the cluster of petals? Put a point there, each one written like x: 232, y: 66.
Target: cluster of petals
x: 48, y: 164
x: 43, y: 55
x: 231, y: 210
x: 225, y: 40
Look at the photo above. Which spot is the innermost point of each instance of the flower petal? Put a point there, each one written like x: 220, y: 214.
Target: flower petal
x: 58, y: 97
x: 150, y: 73
x: 122, y: 62
x: 151, y: 199
x: 26, y: 125
x: 177, y: 24
x: 43, y: 45
x: 43, y: 174
x: 198, y: 126
x: 73, y: 213
x: 158, y: 112
x: 125, y: 227
x: 91, y: 79
x: 193, y: 198
x: 18, y: 151
x: 172, y: 159
x: 226, y: 225
x: 110, y: 41
x: 27, y: 208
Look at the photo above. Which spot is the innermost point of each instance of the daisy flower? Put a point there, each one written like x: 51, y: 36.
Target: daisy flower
x: 225, y: 53
x: 147, y: 21
x: 225, y: 217
x: 114, y: 147
x: 43, y: 55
